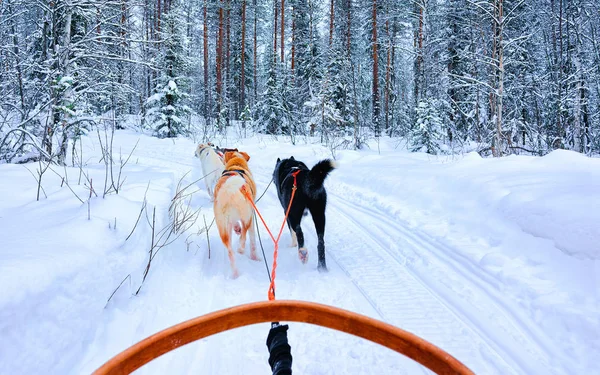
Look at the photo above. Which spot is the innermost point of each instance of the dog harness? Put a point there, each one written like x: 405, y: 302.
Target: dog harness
x: 233, y: 172
x: 293, y: 170
x: 204, y: 149
x: 239, y: 172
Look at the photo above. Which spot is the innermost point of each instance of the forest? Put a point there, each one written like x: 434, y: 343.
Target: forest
x: 498, y: 77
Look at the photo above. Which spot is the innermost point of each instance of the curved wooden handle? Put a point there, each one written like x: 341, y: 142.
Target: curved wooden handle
x: 376, y: 331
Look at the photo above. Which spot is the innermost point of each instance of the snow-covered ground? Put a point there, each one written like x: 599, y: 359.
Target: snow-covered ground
x: 496, y: 261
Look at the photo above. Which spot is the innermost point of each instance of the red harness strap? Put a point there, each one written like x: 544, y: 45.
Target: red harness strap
x: 271, y: 292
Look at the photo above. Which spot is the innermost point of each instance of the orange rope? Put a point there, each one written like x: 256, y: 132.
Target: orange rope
x: 271, y: 292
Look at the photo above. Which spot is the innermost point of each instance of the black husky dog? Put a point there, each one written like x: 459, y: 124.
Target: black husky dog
x: 310, y: 194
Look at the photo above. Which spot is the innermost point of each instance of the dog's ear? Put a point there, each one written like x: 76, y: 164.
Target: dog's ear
x: 245, y: 155
x: 292, y: 158
x: 228, y: 156
x: 278, y: 160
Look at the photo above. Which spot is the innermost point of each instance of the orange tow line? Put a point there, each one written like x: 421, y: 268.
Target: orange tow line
x: 271, y: 292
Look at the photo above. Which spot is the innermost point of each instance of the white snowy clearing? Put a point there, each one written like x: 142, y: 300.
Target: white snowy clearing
x: 496, y: 261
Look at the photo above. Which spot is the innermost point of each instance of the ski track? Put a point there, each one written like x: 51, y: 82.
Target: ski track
x: 464, y: 313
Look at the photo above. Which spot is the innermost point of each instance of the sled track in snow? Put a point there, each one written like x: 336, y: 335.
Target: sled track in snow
x: 384, y: 265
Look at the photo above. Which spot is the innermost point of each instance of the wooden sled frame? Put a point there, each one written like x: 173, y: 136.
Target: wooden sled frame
x: 373, y: 330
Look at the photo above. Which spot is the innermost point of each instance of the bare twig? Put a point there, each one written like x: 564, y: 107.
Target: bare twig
x: 522, y: 148
x: 144, y: 204
x: 38, y: 180
x: 40, y: 173
x: 119, y: 184
x: 182, y: 218
x: 89, y: 198
x: 33, y: 141
x: 68, y: 185
x: 151, y: 249
x: 207, y: 228
x: 115, y: 291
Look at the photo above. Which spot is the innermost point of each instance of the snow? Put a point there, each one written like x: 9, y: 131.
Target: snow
x: 65, y: 81
x: 494, y: 260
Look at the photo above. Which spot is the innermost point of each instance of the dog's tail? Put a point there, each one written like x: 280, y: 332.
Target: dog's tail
x: 319, y: 172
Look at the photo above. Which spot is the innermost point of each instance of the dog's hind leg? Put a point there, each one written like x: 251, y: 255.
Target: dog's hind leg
x: 252, y: 233
x: 210, y: 192
x: 225, y: 233
x: 293, y: 234
x: 294, y: 221
x: 317, y: 211
x: 242, y: 231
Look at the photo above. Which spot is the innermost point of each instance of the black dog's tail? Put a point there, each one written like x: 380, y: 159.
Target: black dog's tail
x: 319, y: 172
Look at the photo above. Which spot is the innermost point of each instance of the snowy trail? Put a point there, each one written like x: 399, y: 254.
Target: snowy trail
x: 382, y: 263
x: 404, y: 272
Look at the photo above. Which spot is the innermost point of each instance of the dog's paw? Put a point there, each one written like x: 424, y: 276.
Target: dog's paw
x: 322, y: 268
x: 303, y: 255
x: 235, y: 274
x: 241, y: 250
x: 253, y: 256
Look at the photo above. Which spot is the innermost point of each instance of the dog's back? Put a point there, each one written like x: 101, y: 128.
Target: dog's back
x: 232, y: 208
x: 212, y: 166
x: 310, y: 182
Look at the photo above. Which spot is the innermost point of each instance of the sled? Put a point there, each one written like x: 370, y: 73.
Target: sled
x: 373, y: 330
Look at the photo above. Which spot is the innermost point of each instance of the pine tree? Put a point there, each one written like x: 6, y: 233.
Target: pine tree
x: 167, y: 108
x: 273, y: 112
x: 428, y: 132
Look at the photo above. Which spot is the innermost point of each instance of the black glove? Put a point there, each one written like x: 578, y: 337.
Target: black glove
x: 280, y: 357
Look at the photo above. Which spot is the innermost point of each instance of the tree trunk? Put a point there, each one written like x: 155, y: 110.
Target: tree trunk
x: 242, y: 80
x: 348, y: 33
x: 275, y: 11
x: 387, y: 77
x: 293, y: 40
x: 62, y: 97
x: 331, y: 16
x: 219, y: 66
x: 17, y: 60
x: 227, y: 80
x: 500, y: 75
x: 146, y: 53
x: 205, y: 43
x: 561, y: 125
x: 419, y: 73
x: 282, y: 30
x: 375, y: 73
x: 255, y: 53
x: 158, y: 15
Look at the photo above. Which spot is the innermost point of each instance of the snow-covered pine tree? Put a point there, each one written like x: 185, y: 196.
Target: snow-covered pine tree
x: 273, y: 111
x: 167, y: 108
x: 427, y: 134
x: 306, y: 69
